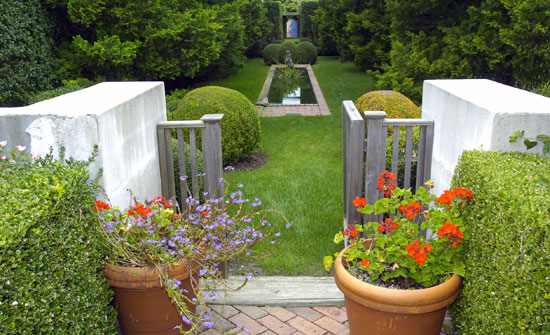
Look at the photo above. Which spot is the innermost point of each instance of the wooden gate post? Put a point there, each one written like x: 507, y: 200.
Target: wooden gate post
x: 376, y: 156
x: 353, y: 135
x: 212, y: 154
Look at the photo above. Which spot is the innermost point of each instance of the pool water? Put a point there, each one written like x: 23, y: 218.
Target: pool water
x: 291, y: 88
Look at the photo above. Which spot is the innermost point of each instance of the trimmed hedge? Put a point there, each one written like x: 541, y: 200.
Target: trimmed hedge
x: 275, y: 16
x: 506, y: 287
x: 240, y: 125
x: 307, y: 28
x: 26, y: 51
x: 306, y: 53
x: 395, y: 104
x: 272, y: 54
x: 51, y: 257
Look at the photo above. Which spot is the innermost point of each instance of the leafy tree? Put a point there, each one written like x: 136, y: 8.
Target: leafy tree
x: 357, y: 30
x: 151, y: 39
x: 256, y: 26
x: 291, y: 5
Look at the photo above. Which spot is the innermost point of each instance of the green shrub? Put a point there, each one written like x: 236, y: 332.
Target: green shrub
x: 26, y: 51
x: 272, y: 54
x: 51, y: 257
x: 172, y: 102
x: 505, y: 290
x: 240, y: 125
x: 306, y: 53
x: 275, y: 17
x: 543, y: 89
x: 290, y: 46
x: 395, y: 104
x: 256, y: 27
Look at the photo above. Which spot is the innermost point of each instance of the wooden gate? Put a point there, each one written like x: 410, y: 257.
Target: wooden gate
x: 365, y: 156
x: 209, y: 126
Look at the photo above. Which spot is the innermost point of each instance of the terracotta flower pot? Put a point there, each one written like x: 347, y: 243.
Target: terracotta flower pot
x: 143, y: 304
x: 373, y: 309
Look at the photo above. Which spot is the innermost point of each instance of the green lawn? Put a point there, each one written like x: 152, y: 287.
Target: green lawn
x: 303, y: 175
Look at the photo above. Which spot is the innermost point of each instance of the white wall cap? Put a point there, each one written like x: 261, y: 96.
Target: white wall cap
x: 93, y: 100
x: 494, y: 97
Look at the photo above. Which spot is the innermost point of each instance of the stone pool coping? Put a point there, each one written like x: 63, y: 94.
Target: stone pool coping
x: 267, y: 110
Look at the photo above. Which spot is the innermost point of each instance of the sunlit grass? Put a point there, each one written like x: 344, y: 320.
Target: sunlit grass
x: 303, y: 174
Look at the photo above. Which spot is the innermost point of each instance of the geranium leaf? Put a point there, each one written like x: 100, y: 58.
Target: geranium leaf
x: 459, y: 269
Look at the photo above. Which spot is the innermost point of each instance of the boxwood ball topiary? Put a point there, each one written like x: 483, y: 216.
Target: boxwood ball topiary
x: 395, y: 104
x: 306, y: 53
x: 240, y: 125
x: 272, y: 54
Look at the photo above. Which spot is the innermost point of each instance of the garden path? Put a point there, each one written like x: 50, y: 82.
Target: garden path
x: 282, y: 306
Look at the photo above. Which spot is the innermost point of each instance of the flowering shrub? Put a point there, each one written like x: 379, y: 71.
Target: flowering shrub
x: 156, y: 232
x: 395, y: 255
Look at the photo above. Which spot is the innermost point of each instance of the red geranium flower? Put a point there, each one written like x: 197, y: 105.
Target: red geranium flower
x: 359, y: 202
x: 386, y: 182
x: 100, y: 205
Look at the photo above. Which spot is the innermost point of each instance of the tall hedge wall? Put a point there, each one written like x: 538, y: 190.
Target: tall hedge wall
x: 51, y: 260
x: 275, y: 16
x: 26, y: 50
x: 506, y: 287
x: 307, y: 28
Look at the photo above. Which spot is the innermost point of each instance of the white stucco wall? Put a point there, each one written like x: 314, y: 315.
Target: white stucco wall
x: 478, y: 114
x: 120, y: 117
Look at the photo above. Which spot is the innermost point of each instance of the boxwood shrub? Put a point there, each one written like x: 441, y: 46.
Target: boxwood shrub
x: 240, y: 125
x: 306, y: 53
x: 272, y: 54
x: 51, y: 259
x: 506, y: 287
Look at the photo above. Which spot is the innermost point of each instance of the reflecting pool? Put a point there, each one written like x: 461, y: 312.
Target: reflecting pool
x: 291, y: 86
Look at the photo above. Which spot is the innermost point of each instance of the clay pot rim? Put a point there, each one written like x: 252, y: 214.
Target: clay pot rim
x: 396, y: 300
x: 145, y: 277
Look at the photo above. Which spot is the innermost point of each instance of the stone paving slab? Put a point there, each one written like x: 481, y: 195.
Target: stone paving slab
x: 281, y: 291
x: 257, y: 317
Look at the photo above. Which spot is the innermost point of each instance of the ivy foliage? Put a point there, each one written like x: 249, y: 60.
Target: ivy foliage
x: 26, y: 50
x: 505, y: 290
x: 275, y: 17
x: 307, y: 28
x: 51, y: 257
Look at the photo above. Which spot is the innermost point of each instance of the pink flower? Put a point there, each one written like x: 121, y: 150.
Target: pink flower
x: 3, y: 144
x: 36, y: 155
x: 20, y: 148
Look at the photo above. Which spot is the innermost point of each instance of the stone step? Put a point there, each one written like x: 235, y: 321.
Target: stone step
x: 280, y: 291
